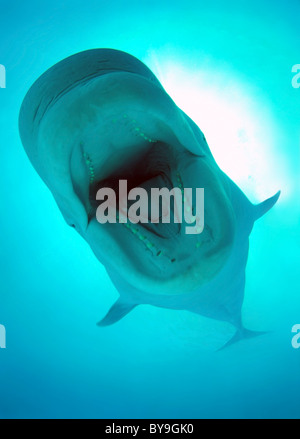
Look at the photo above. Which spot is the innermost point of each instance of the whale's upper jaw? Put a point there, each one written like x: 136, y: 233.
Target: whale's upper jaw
x: 122, y: 127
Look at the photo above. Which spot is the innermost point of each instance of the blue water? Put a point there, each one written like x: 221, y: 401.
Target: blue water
x: 228, y: 65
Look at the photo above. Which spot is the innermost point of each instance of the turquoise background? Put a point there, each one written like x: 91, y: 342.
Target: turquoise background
x: 228, y: 65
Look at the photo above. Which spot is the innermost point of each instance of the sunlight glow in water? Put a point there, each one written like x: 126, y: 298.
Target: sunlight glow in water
x: 237, y: 122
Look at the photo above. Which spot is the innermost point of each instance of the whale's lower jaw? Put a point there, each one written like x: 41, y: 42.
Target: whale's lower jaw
x: 158, y: 258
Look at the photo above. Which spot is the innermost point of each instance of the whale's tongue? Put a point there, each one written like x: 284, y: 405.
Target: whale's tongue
x: 162, y: 211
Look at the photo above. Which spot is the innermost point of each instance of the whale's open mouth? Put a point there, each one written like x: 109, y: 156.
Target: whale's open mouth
x: 155, y: 168
x: 121, y: 127
x: 150, y: 252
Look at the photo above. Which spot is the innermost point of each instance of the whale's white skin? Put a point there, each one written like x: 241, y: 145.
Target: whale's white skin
x: 101, y: 115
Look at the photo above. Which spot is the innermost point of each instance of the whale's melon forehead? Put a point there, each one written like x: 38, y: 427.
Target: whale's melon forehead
x: 107, y: 101
x: 66, y: 75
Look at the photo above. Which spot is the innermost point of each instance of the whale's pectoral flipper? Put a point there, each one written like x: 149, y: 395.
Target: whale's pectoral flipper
x: 265, y: 206
x: 119, y: 310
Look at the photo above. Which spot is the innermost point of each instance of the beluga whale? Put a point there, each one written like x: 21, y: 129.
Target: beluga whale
x: 101, y: 117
